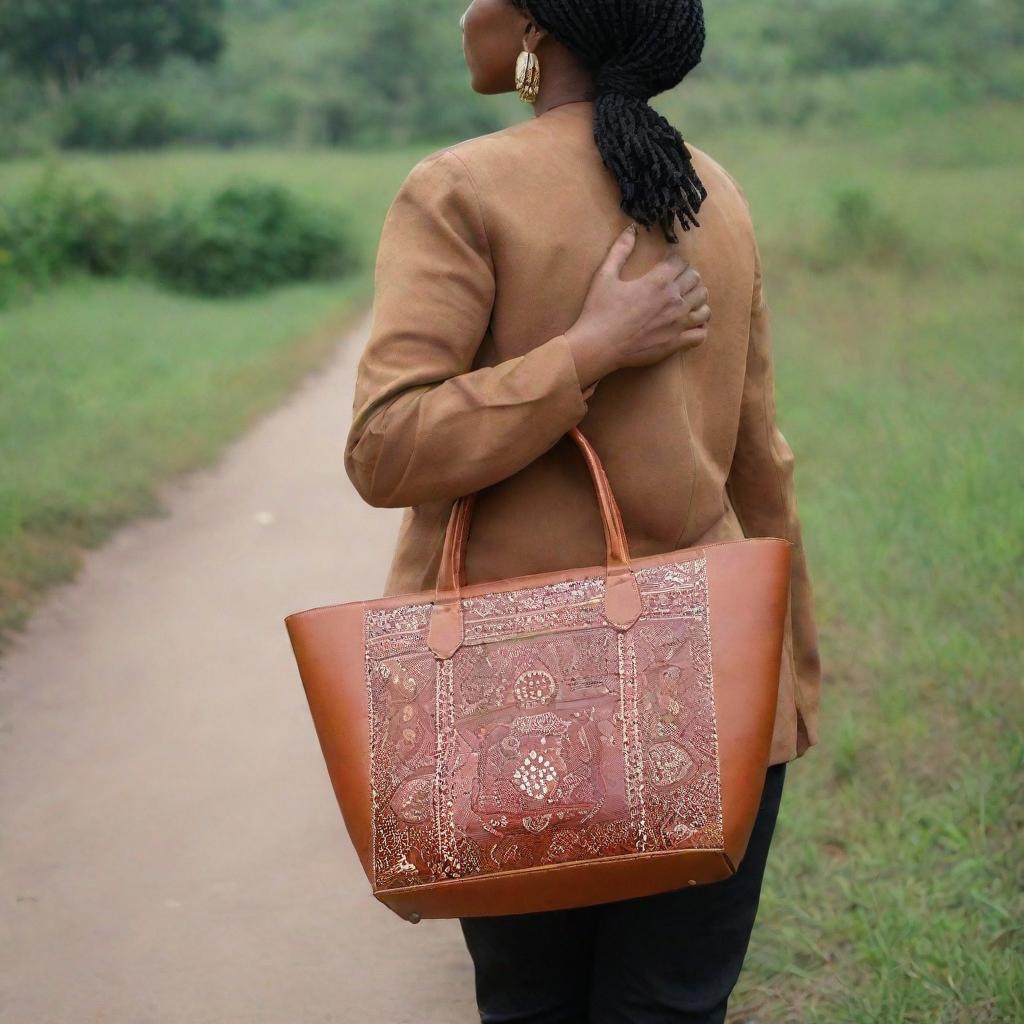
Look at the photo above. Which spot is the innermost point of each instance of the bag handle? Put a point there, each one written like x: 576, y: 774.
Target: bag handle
x: 622, y: 604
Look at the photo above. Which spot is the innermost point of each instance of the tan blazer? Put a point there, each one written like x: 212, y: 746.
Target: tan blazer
x: 467, y: 381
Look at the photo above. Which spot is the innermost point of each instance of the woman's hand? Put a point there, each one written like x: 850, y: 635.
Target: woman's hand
x: 638, y: 322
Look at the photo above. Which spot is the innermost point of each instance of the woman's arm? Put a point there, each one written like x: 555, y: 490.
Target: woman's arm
x: 761, y: 488
x: 426, y: 425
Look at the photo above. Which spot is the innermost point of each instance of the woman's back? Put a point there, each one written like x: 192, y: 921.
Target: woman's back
x: 486, y: 257
x: 513, y: 303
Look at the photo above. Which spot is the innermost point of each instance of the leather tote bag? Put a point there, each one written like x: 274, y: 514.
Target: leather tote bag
x: 555, y: 740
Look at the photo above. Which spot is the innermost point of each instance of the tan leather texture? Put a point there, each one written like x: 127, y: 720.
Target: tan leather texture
x: 542, y: 756
x: 467, y: 383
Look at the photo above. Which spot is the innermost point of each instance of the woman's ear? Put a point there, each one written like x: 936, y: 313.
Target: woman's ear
x: 534, y: 34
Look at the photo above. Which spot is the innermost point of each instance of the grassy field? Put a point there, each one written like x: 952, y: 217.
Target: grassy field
x: 894, y: 892
x: 110, y: 388
x: 893, y: 261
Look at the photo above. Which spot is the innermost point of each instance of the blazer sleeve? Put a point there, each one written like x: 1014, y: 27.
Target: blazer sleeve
x: 761, y: 487
x: 427, y: 425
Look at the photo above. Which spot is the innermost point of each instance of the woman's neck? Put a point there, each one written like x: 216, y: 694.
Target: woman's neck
x: 562, y: 81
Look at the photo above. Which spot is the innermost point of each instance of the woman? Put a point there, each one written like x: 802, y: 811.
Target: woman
x: 515, y: 299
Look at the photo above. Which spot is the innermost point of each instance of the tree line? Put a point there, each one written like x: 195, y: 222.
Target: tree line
x: 110, y: 74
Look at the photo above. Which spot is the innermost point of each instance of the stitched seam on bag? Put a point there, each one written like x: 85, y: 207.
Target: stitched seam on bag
x: 625, y: 858
x: 371, y: 745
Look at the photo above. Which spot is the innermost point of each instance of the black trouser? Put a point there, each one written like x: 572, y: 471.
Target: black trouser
x: 672, y: 957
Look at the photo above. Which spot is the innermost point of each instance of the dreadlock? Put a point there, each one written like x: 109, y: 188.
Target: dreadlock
x: 636, y: 49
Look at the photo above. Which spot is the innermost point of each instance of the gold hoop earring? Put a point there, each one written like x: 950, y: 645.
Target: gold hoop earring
x: 528, y: 76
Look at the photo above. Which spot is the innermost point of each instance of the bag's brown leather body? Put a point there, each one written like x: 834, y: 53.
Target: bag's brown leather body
x: 555, y: 740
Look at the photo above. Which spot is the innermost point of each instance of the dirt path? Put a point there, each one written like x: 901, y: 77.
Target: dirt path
x: 169, y: 846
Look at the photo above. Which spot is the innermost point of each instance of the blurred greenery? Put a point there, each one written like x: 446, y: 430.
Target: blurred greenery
x: 63, y: 44
x: 247, y: 236
x: 57, y: 225
x: 880, y: 144
x: 373, y: 72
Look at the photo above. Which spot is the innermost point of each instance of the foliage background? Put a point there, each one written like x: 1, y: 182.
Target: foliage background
x: 371, y: 72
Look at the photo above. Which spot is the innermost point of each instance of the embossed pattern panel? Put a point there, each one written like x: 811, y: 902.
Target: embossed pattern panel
x: 549, y: 737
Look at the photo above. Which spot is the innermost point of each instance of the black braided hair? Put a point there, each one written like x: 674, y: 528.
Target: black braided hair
x: 636, y: 49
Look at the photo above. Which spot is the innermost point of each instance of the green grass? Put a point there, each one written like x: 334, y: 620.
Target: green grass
x: 110, y: 388
x: 361, y: 182
x: 894, y: 889
x: 893, y: 894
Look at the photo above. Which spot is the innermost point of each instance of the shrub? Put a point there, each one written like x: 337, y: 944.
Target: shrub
x: 247, y: 237
x: 117, y: 120
x: 59, y: 226
x: 858, y: 231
